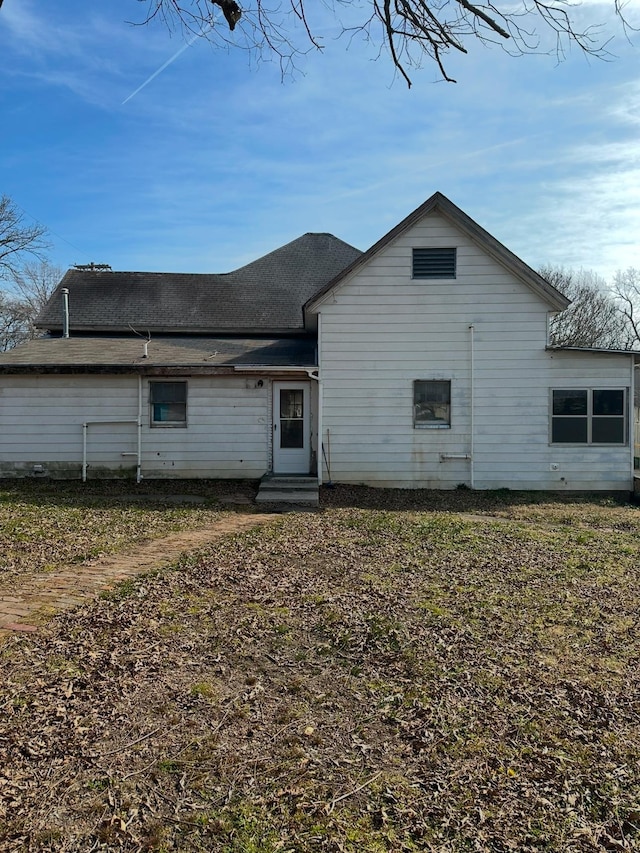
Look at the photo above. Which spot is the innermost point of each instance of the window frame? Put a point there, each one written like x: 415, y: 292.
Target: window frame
x: 418, y: 424
x: 426, y: 250
x: 169, y: 424
x: 589, y: 416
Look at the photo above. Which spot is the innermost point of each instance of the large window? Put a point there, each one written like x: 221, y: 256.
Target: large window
x: 432, y: 403
x: 168, y: 404
x: 434, y: 263
x: 589, y: 416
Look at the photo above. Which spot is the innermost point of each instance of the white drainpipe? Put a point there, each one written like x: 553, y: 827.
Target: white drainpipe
x: 320, y: 401
x: 65, y: 312
x: 139, y: 465
x: 632, y: 419
x: 472, y: 404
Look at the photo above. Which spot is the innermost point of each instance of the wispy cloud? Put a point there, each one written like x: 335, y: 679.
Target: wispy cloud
x: 219, y: 161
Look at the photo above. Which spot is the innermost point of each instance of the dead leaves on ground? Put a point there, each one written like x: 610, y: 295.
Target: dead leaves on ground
x: 348, y: 681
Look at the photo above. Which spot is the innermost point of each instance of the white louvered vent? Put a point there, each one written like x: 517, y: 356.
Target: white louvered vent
x: 434, y: 263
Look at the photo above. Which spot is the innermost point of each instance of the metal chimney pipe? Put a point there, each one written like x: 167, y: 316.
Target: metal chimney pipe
x: 65, y: 312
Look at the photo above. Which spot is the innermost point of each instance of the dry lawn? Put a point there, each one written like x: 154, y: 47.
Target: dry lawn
x: 45, y: 524
x: 395, y: 673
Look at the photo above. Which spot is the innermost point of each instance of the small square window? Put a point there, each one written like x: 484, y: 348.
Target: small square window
x: 432, y: 403
x: 168, y: 404
x: 434, y: 263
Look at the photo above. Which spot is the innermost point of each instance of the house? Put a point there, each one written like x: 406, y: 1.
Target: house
x: 420, y: 363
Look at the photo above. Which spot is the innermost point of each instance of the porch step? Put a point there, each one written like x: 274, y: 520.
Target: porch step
x: 289, y: 491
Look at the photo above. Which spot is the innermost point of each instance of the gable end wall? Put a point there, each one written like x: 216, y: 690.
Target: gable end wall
x: 380, y: 331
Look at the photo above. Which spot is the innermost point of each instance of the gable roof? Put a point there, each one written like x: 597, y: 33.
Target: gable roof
x: 441, y: 204
x: 265, y: 296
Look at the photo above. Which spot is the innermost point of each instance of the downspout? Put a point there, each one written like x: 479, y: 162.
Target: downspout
x: 85, y: 427
x: 139, y: 462
x: 632, y: 419
x: 65, y: 312
x: 472, y: 367
x: 320, y: 399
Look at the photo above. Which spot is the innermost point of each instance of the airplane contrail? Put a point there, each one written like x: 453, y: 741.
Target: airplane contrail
x: 167, y: 63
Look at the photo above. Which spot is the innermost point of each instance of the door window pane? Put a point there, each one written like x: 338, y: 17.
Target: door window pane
x: 291, y: 402
x: 291, y: 418
x: 291, y: 434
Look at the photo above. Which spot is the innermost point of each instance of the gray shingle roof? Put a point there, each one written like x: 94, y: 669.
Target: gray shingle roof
x: 265, y: 296
x: 202, y: 354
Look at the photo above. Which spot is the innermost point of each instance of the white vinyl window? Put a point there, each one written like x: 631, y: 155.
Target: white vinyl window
x: 168, y: 404
x: 432, y: 403
x: 588, y: 416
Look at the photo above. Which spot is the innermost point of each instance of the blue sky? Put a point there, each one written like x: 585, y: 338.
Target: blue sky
x: 218, y: 161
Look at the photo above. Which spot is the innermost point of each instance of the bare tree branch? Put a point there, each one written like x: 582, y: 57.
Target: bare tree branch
x: 33, y: 284
x: 18, y: 238
x: 410, y: 31
x: 626, y: 288
x: 593, y: 319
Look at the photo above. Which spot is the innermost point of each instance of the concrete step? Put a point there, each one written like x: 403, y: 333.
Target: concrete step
x: 290, y: 480
x: 308, y: 498
x: 289, y: 490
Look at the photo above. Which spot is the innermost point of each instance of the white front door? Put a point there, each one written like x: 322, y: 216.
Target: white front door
x: 291, y: 428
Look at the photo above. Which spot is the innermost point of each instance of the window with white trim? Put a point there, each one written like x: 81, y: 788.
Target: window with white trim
x: 589, y: 416
x: 432, y: 403
x: 434, y: 263
x: 168, y: 404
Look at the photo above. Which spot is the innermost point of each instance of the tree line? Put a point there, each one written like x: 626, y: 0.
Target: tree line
x: 27, y: 276
x: 602, y: 314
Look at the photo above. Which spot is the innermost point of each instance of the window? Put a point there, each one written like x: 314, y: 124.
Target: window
x: 168, y: 404
x: 589, y: 416
x: 432, y: 403
x: 434, y: 263
x: 291, y: 418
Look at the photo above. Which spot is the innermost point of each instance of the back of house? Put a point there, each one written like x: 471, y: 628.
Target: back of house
x: 420, y: 363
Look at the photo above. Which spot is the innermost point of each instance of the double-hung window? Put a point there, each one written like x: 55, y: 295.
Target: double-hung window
x: 589, y: 416
x: 168, y: 404
x: 432, y: 403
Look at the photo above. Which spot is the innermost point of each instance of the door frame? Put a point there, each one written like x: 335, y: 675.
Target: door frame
x: 297, y: 460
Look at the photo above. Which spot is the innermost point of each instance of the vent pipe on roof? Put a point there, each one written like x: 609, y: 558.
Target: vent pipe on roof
x: 65, y: 312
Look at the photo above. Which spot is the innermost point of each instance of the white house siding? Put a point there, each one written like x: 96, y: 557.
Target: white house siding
x: 41, y: 421
x: 381, y: 330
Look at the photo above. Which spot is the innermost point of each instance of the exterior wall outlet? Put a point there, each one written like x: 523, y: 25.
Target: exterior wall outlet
x: 554, y: 466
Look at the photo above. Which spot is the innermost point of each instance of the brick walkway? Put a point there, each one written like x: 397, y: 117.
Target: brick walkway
x: 32, y: 599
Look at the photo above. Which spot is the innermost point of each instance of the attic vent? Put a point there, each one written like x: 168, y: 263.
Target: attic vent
x: 434, y: 263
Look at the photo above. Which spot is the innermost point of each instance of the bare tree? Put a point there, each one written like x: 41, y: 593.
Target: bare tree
x: 410, y: 32
x: 34, y: 283
x: 626, y: 288
x: 18, y: 238
x: 15, y: 322
x: 593, y: 318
